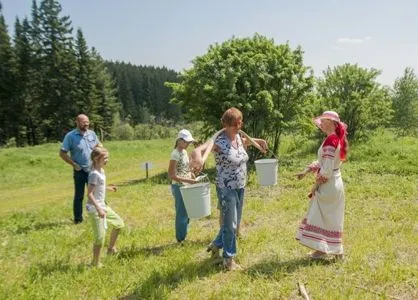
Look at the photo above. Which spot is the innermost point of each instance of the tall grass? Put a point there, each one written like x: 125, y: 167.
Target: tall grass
x: 44, y: 256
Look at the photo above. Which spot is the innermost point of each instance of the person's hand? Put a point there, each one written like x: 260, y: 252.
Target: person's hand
x: 201, y: 177
x: 76, y: 167
x: 320, y: 179
x: 196, y: 164
x: 112, y: 188
x: 300, y: 175
x: 263, y: 145
x: 101, y: 213
x: 313, y: 191
x: 191, y: 181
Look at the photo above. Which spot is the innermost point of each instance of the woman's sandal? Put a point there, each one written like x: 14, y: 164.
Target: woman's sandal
x: 317, y: 255
x: 213, y: 249
x: 230, y: 265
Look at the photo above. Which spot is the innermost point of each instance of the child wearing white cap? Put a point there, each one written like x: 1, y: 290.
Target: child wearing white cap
x: 179, y: 173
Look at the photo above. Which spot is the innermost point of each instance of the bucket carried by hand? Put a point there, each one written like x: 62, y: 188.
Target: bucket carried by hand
x: 266, y: 170
x: 196, y: 198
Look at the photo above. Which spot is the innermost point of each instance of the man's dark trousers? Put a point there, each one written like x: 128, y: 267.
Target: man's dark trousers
x: 80, y: 181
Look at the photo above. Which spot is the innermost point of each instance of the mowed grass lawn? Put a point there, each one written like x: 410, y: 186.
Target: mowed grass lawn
x: 44, y: 256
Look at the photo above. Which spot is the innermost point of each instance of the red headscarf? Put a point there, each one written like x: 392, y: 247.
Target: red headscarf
x: 341, y: 132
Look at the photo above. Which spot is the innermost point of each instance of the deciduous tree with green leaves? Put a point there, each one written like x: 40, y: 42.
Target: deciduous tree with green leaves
x: 355, y: 94
x: 267, y: 82
x: 405, y: 103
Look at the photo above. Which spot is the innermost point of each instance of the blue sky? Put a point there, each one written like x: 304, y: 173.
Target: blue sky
x: 379, y: 34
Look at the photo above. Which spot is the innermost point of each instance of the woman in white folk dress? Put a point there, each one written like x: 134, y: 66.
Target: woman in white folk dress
x: 322, y: 227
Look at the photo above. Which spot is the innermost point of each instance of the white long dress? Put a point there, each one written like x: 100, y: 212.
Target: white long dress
x: 322, y: 227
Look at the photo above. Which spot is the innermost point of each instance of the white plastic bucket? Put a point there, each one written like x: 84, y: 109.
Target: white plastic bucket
x: 196, y: 198
x: 266, y: 170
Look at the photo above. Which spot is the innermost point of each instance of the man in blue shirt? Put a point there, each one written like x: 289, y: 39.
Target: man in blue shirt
x: 79, y: 142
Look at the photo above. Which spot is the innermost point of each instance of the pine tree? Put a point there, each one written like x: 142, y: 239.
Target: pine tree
x: 8, y: 125
x: 28, y: 83
x: 105, y: 101
x: 32, y: 29
x: 84, y: 80
x: 59, y: 68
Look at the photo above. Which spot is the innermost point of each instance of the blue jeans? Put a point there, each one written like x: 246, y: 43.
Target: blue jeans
x: 232, y: 201
x: 182, y: 219
x: 80, y: 182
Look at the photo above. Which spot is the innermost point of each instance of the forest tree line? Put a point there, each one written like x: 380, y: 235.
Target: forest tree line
x: 48, y: 75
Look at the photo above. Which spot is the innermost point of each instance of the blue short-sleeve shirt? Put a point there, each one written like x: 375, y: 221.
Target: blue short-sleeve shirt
x: 80, y: 146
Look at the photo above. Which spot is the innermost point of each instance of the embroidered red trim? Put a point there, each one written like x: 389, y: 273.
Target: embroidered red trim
x: 321, y: 239
x: 324, y: 232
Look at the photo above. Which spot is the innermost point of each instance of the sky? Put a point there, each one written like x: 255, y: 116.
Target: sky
x: 374, y: 34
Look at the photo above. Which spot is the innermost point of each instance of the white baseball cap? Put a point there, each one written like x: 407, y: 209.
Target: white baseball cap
x: 184, y: 134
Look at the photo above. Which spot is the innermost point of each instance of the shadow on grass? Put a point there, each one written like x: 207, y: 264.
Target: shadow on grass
x: 132, y: 251
x: 42, y: 270
x: 25, y: 227
x: 161, y: 178
x: 160, y: 282
x: 281, y: 268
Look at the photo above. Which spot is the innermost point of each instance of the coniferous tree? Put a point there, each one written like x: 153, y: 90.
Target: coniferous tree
x: 105, y: 100
x: 24, y: 103
x: 84, y: 79
x: 142, y: 93
x: 47, y: 77
x: 8, y: 123
x: 125, y: 96
x: 32, y: 29
x: 58, y: 108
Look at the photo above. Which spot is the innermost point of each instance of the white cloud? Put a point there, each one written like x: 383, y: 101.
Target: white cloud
x: 353, y: 40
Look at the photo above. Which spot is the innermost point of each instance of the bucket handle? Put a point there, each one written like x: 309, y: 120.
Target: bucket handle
x: 203, y: 177
x: 255, y: 144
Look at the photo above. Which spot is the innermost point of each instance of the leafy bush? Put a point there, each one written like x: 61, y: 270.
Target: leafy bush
x: 123, y: 132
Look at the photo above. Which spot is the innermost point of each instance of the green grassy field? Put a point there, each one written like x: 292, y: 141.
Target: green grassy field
x: 44, y: 256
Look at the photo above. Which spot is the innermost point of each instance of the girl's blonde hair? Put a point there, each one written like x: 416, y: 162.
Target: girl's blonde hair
x: 97, y: 153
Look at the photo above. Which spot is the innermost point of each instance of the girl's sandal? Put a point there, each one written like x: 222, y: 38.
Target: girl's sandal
x: 112, y: 251
x: 98, y: 266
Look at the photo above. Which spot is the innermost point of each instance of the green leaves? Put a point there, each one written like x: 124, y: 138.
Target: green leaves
x: 405, y: 103
x: 268, y: 82
x: 356, y: 95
